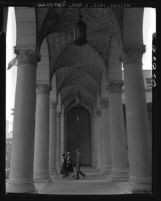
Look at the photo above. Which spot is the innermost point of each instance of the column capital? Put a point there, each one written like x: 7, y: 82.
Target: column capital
x: 53, y: 104
x: 104, y: 103
x: 42, y: 88
x: 115, y: 86
x: 132, y: 53
x: 27, y: 55
x: 58, y: 114
x: 98, y: 113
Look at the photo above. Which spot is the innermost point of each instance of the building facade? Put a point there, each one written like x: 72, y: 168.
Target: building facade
x: 70, y: 94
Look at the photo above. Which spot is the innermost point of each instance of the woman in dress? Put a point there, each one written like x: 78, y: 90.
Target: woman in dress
x: 70, y: 164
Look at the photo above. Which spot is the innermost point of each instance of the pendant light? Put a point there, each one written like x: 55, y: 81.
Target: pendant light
x: 78, y: 96
x: 80, y: 32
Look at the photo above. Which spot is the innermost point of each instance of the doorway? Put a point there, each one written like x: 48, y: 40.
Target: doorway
x: 78, y: 134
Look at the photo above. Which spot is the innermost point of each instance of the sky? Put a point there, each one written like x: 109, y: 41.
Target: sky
x: 149, y: 27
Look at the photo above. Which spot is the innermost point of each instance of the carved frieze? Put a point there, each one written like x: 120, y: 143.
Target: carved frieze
x: 42, y: 88
x: 115, y: 86
x: 132, y: 53
x: 26, y: 56
x: 53, y: 104
x: 105, y: 103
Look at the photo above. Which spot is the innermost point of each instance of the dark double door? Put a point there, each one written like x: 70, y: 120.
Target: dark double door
x: 78, y: 134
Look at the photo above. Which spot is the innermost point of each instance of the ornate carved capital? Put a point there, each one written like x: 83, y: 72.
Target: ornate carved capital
x: 132, y: 53
x: 26, y: 56
x: 58, y: 114
x: 115, y: 86
x: 98, y: 113
x: 53, y: 104
x: 105, y: 103
x: 42, y: 88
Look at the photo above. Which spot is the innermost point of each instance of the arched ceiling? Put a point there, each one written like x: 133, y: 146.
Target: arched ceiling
x: 70, y: 103
x: 70, y: 91
x: 78, y: 77
x: 57, y: 25
x: 84, y: 55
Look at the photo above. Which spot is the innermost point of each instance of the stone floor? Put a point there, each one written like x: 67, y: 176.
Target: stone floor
x: 93, y: 183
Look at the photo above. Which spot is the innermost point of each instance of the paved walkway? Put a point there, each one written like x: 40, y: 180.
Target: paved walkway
x: 93, y: 183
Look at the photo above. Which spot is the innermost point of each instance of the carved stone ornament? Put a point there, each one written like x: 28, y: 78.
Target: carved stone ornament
x: 98, y: 113
x: 105, y: 103
x: 58, y: 114
x: 26, y: 56
x: 132, y: 53
x: 42, y: 88
x: 115, y: 86
x: 53, y: 104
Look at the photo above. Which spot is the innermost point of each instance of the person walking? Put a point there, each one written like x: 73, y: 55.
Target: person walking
x: 78, y: 165
x: 64, y: 166
x: 70, y: 164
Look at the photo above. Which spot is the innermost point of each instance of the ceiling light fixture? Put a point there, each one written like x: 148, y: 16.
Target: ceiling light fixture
x: 80, y: 30
x: 78, y: 96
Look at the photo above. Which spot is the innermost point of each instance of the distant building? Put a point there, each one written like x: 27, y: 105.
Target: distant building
x: 9, y: 125
x: 147, y: 74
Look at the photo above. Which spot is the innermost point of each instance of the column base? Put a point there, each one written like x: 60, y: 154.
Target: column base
x: 58, y: 169
x: 53, y: 173
x: 119, y: 175
x: 94, y: 164
x: 20, y: 186
x: 140, y: 184
x: 106, y: 170
x: 41, y: 176
x: 100, y: 169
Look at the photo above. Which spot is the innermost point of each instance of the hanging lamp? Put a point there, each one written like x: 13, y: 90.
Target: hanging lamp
x: 80, y: 32
x: 78, y: 96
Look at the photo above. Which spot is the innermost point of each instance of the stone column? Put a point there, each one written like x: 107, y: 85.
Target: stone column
x: 99, y: 140
x: 62, y: 134
x: 106, y: 137
x: 95, y: 156
x: 52, y: 140
x: 41, y: 155
x: 117, y: 132
x: 139, y: 144
x: 58, y: 141
x: 21, y: 169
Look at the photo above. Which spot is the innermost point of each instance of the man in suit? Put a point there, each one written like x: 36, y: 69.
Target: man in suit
x: 78, y: 165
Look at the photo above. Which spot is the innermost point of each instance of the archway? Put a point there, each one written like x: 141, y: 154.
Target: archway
x: 78, y: 133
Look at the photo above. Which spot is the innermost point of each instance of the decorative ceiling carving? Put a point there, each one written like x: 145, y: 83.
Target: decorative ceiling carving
x: 70, y: 103
x: 57, y: 25
x: 70, y: 92
x: 84, y: 79
x: 80, y: 56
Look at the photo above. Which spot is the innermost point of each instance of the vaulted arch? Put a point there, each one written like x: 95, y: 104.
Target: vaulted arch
x: 80, y: 56
x: 84, y: 80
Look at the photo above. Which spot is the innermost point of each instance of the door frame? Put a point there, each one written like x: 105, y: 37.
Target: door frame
x: 91, y: 124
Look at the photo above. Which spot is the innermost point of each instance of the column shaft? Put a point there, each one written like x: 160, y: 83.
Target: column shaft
x: 41, y: 156
x: 52, y: 140
x: 21, y: 169
x: 106, y: 138
x: 58, y: 141
x: 139, y: 144
x: 99, y: 141
x: 94, y: 141
x: 95, y: 158
x: 117, y: 130
x: 62, y: 135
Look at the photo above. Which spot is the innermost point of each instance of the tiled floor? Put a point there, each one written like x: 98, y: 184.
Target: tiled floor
x: 94, y: 183
x: 91, y: 184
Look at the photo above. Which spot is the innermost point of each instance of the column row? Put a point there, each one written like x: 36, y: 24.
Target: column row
x: 33, y: 156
